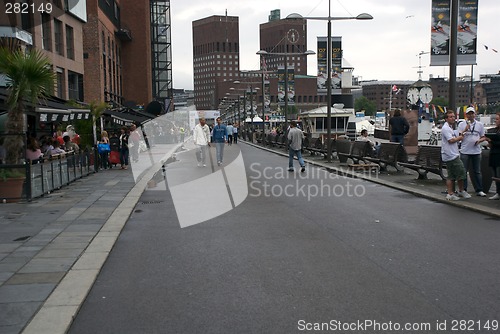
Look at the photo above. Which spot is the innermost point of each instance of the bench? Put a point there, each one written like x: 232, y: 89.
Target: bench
x: 344, y: 148
x: 315, y: 148
x: 390, y: 154
x: 281, y: 141
x: 358, y: 151
x: 428, y: 159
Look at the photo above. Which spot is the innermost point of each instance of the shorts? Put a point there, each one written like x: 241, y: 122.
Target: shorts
x: 456, y: 169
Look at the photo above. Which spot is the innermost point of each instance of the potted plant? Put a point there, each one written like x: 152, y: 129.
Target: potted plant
x: 29, y: 77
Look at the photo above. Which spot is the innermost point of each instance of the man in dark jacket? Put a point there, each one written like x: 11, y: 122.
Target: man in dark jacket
x: 398, y: 127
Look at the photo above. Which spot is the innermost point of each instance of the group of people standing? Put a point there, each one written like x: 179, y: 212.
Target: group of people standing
x: 220, y: 135
x: 122, y: 147
x: 461, y: 151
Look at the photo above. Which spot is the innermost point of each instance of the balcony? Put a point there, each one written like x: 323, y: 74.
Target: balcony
x: 124, y: 35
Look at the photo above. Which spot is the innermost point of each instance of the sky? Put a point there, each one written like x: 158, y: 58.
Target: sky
x: 385, y: 48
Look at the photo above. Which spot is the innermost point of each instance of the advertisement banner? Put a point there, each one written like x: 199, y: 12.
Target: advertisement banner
x: 336, y: 74
x: 466, y: 32
x: 281, y: 86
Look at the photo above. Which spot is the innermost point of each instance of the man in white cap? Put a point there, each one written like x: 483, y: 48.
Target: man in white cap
x: 470, y: 149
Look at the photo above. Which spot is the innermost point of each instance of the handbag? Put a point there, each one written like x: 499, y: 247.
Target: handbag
x: 103, y: 148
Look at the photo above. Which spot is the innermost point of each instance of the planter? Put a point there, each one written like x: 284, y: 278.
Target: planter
x: 11, y: 189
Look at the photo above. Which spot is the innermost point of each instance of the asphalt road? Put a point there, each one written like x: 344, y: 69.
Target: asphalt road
x: 299, y: 252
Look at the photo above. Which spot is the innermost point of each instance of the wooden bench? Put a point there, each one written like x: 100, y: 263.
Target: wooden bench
x: 344, y: 148
x: 314, y: 148
x: 358, y: 151
x: 281, y: 141
x: 428, y: 159
x: 390, y: 154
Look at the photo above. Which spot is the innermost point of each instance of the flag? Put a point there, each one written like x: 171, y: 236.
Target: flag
x: 435, y: 111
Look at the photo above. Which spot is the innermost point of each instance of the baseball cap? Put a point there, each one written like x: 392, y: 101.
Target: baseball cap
x: 470, y: 109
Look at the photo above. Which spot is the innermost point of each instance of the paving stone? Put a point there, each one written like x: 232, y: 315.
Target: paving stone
x: 25, y: 292
x: 35, y: 278
x: 14, y: 316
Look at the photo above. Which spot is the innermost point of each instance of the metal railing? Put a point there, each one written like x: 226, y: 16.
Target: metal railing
x: 51, y: 173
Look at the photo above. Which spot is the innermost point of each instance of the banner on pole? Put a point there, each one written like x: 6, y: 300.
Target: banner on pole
x: 466, y: 32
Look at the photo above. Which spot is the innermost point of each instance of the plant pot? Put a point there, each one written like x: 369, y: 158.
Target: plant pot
x: 11, y: 189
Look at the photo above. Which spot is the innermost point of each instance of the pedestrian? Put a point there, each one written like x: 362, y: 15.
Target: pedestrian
x: 451, y: 156
x: 182, y: 133
x: 230, y: 130
x: 470, y: 149
x: 201, y: 138
x: 135, y: 137
x: 124, y: 150
x: 295, y: 137
x: 103, y: 153
x: 398, y: 127
x: 493, y: 138
x: 364, y: 137
x: 220, y: 139
x: 235, y: 133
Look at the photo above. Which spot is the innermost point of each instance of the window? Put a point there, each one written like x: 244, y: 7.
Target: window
x: 46, y: 33
x: 70, y: 43
x: 75, y: 86
x: 58, y: 37
x: 59, y: 82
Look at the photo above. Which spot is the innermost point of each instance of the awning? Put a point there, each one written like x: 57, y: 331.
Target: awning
x: 50, y: 115
x: 125, y: 118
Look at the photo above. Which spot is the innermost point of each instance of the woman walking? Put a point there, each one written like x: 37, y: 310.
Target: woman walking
x: 124, y: 152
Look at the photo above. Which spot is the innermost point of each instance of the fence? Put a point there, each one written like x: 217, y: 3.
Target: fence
x: 48, y: 174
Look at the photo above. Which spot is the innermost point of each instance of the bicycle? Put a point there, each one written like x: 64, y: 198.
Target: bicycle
x: 433, y: 139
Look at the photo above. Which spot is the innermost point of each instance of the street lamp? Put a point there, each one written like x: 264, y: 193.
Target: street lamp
x: 252, y: 90
x: 329, y: 18
x: 263, y: 53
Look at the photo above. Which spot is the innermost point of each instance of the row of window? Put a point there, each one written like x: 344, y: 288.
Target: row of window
x: 215, y: 47
x: 111, y: 66
x: 63, y: 38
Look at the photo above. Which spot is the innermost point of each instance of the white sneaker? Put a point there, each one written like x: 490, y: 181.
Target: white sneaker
x: 496, y: 196
x: 199, y: 164
x: 204, y: 165
x: 481, y: 194
x: 464, y: 194
x: 452, y: 197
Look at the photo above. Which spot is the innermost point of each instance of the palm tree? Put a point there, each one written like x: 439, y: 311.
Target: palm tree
x: 29, y: 77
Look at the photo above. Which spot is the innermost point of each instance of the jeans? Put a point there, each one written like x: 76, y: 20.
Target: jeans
x: 496, y: 173
x: 203, y: 153
x: 291, y: 154
x: 398, y: 139
x: 219, y: 150
x: 124, y: 156
x: 235, y: 137
x: 475, y: 161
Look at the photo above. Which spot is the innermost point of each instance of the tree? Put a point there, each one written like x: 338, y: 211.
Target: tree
x: 29, y: 77
x: 362, y: 103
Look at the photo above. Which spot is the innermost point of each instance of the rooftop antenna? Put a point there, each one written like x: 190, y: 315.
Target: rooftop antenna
x: 419, y: 72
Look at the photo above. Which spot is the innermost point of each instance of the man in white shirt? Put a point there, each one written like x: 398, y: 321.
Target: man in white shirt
x: 201, y: 138
x: 470, y: 150
x: 450, y: 155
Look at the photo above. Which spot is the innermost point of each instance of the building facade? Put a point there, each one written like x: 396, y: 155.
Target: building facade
x: 216, y: 58
x: 487, y: 93
x: 59, y: 35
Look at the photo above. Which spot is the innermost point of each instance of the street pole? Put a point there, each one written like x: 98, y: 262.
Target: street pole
x: 286, y: 89
x: 329, y: 86
x: 263, y: 101
x: 453, y: 55
x: 251, y: 110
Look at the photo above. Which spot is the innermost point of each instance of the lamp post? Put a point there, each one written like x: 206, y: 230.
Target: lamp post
x: 329, y: 18
x: 263, y: 53
x: 250, y: 88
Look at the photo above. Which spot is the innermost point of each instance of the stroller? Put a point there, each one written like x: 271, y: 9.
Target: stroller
x: 114, y: 155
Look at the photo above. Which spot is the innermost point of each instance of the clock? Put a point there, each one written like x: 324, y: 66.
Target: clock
x: 413, y: 95
x: 293, y: 36
x: 426, y: 94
